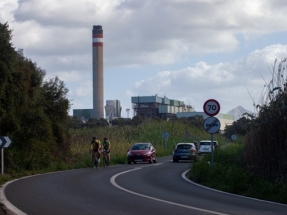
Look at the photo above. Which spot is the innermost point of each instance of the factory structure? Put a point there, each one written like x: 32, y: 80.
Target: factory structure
x: 166, y: 108
x: 113, y: 107
x: 149, y: 106
x: 155, y: 106
x: 98, y: 72
x: 112, y: 111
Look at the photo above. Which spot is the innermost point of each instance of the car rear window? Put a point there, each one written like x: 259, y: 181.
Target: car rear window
x: 205, y: 143
x: 184, y: 146
x: 140, y: 147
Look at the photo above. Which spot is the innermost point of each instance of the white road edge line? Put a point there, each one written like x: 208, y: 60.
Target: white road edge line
x: 113, y: 181
x: 8, y: 204
x: 4, y: 200
x: 231, y: 194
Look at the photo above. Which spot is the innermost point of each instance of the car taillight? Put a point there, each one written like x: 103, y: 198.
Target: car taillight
x: 175, y: 150
x: 193, y: 150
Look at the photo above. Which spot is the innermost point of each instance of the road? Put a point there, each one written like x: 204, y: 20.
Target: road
x: 127, y: 190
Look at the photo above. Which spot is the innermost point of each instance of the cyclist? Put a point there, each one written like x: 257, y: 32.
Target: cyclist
x: 95, y: 148
x: 107, y: 148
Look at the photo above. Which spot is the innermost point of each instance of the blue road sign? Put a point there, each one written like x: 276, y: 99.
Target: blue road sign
x: 211, y: 125
x: 165, y: 135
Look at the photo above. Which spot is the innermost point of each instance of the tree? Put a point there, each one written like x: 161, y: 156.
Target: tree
x: 239, y: 127
x: 33, y: 113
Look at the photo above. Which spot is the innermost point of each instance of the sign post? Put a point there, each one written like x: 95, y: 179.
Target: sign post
x: 211, y: 124
x: 5, y: 142
x: 187, y: 135
x: 165, y: 135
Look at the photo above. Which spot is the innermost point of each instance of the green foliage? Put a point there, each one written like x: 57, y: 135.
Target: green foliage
x: 229, y: 175
x: 239, y: 127
x: 75, y: 122
x: 121, y: 122
x: 257, y: 168
x: 123, y: 137
x: 266, y: 143
x: 33, y: 113
x: 96, y: 122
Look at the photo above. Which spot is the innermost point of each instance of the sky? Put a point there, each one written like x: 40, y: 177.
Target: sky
x: 186, y: 50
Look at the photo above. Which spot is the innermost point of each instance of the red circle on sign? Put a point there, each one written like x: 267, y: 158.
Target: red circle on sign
x: 211, y: 107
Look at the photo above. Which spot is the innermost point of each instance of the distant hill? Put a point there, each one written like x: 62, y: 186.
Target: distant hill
x: 237, y: 112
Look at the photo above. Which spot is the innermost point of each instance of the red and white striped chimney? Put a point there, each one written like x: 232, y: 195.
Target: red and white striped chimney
x: 98, y: 74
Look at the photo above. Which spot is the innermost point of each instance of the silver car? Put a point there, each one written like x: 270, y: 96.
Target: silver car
x: 204, y: 146
x: 185, y: 151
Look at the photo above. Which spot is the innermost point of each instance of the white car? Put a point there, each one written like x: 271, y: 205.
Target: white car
x: 204, y: 146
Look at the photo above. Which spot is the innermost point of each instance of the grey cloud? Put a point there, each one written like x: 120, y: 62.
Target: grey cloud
x: 133, y: 29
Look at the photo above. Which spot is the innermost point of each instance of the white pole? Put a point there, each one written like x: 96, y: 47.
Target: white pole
x: 212, y: 151
x: 2, y: 161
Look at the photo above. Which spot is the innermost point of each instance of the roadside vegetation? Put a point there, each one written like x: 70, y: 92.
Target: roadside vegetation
x: 33, y: 111
x: 256, y: 165
x: 34, y: 114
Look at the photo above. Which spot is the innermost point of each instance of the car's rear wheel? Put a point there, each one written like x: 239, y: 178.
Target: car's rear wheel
x: 135, y: 162
x: 175, y: 160
x: 129, y: 162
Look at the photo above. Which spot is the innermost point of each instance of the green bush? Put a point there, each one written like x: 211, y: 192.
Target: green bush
x: 228, y: 174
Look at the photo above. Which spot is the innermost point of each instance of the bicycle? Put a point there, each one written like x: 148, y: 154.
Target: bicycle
x: 96, y: 157
x: 106, y: 158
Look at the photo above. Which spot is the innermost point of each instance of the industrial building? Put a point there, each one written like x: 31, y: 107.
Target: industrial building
x: 113, y: 109
x: 162, y: 107
x: 165, y: 108
x: 150, y: 106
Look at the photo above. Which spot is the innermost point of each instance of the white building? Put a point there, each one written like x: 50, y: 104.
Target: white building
x: 113, y: 109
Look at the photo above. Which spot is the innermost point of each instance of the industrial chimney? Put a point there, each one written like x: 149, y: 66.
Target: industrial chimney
x: 98, y: 74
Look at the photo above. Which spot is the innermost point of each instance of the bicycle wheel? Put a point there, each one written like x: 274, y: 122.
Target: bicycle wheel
x: 106, y: 162
x: 93, y: 163
x: 96, y: 163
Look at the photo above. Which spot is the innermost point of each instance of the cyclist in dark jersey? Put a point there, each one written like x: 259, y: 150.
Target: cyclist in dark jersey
x: 107, y: 148
x: 95, y: 148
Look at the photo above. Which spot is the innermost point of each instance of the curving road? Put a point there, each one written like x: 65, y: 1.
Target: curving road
x: 126, y: 190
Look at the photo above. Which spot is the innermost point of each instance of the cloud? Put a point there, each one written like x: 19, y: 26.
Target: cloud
x: 230, y: 83
x: 7, y: 7
x: 142, y: 32
x: 172, y: 46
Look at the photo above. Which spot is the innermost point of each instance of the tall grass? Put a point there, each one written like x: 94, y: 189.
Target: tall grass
x: 228, y: 174
x: 123, y: 137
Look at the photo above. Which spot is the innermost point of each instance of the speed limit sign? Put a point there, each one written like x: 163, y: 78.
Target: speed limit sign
x: 211, y: 107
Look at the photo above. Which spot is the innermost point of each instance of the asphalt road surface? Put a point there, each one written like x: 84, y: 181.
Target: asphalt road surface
x: 126, y: 190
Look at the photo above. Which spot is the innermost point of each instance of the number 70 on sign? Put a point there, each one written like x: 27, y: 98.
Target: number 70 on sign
x: 211, y: 107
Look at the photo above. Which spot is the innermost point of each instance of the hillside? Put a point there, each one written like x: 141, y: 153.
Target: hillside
x: 238, y: 112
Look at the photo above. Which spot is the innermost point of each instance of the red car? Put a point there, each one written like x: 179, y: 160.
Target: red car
x: 141, y: 152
